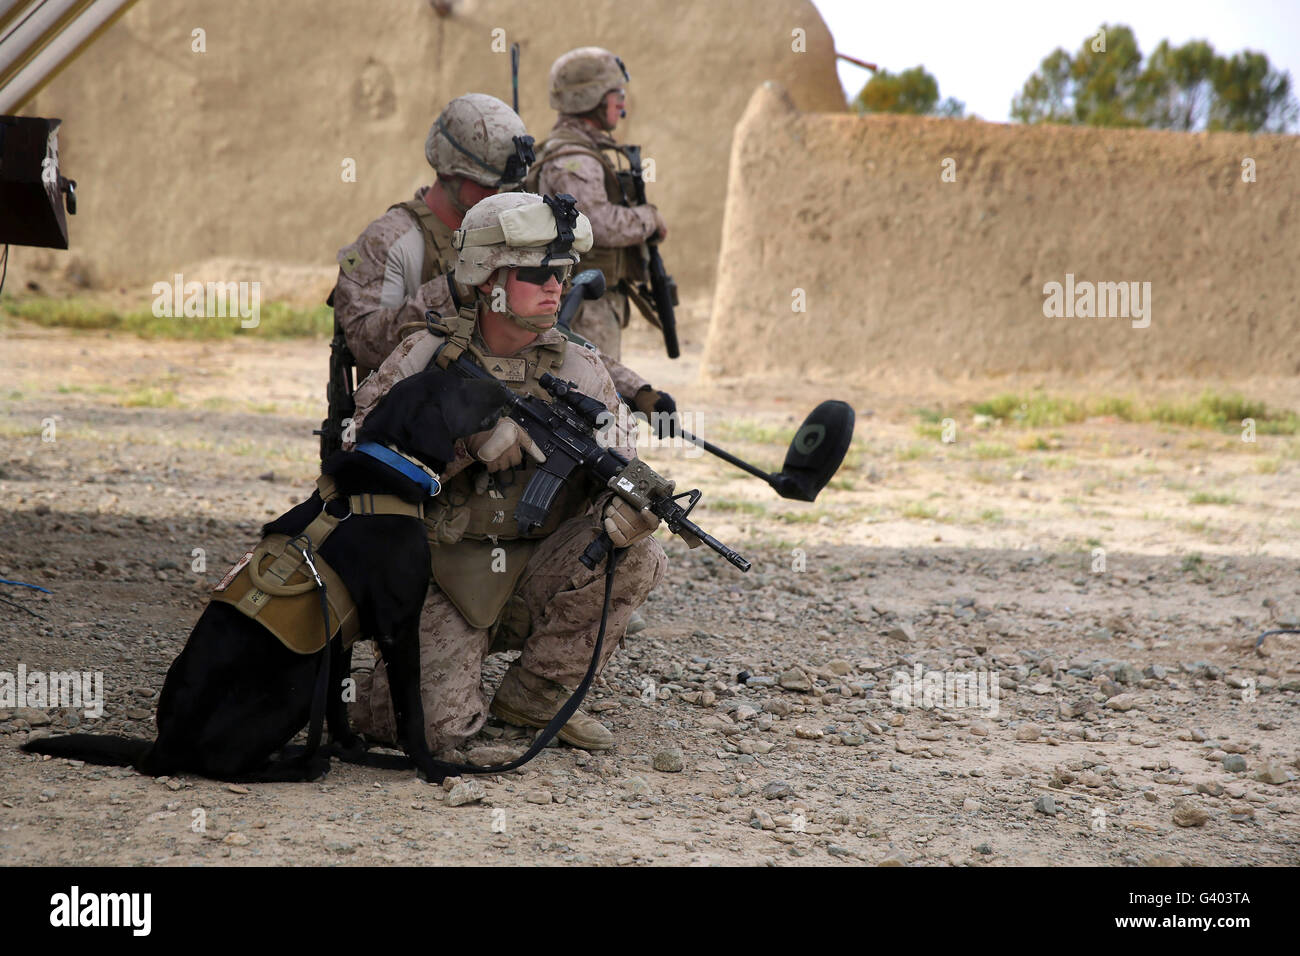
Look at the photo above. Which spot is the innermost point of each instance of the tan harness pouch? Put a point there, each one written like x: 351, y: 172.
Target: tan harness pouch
x: 274, y: 587
x: 464, y: 572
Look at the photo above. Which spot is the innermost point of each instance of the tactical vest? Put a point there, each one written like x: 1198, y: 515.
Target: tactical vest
x: 436, y: 251
x: 472, y: 525
x: 617, y: 262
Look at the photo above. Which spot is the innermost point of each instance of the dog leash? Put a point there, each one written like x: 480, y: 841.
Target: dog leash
x: 316, y: 725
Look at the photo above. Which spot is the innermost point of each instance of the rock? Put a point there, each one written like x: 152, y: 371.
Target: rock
x: 638, y: 786
x: 778, y: 789
x: 237, y: 839
x: 1210, y: 787
x: 1028, y: 732
x: 669, y: 760
x: 467, y: 791
x: 761, y: 820
x: 1122, y: 702
x: 778, y: 706
x: 1150, y: 796
x: 340, y: 847
x: 984, y: 849
x: 1273, y: 773
x: 979, y: 729
x: 1189, y: 814
x: 894, y: 859
x: 795, y: 679
x: 902, y: 632
x: 1234, y: 763
x: 486, y: 755
x: 538, y: 796
x: 970, y: 805
x: 33, y: 715
x: 839, y: 667
x: 1046, y: 805
x: 1155, y: 672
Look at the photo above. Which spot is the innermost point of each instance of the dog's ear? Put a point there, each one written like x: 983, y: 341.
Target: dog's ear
x: 471, y: 405
x: 424, y: 415
x: 451, y: 408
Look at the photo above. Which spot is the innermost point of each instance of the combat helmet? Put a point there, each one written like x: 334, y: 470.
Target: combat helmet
x: 519, y: 229
x: 581, y: 77
x: 481, y: 138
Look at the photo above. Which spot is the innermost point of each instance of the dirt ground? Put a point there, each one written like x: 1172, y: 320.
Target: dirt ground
x: 1112, y: 579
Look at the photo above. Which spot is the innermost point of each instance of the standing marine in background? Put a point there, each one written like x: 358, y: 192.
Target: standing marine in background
x: 580, y: 157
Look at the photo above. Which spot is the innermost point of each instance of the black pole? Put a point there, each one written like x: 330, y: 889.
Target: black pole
x: 728, y: 457
x: 514, y: 74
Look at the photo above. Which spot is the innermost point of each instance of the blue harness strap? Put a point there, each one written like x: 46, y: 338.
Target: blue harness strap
x: 402, y: 465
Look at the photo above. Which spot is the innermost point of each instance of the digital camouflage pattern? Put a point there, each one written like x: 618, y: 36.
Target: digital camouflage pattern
x: 380, y: 285
x: 481, y: 125
x: 563, y: 598
x: 581, y: 77
x: 564, y: 601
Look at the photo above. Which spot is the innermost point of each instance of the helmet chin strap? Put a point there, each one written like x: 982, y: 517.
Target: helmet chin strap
x: 452, y: 192
x: 524, y: 322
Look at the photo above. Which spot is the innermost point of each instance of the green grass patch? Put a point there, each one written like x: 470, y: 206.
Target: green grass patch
x: 276, y: 320
x: 1209, y: 498
x: 919, y: 510
x: 733, y: 504
x: 986, y: 450
x: 1211, y: 409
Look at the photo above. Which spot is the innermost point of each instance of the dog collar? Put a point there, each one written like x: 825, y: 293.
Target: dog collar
x: 427, y: 481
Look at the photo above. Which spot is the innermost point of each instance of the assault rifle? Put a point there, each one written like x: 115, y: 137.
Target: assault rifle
x: 340, y: 404
x: 663, y: 290
x: 565, y: 431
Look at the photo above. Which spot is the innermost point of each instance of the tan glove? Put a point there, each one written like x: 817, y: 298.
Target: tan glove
x: 660, y: 227
x: 626, y: 525
x: 503, y: 445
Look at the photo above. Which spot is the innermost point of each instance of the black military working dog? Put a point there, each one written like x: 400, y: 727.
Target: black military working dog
x: 235, y: 695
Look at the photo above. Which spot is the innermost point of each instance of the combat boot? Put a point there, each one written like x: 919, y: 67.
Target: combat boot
x: 527, y: 700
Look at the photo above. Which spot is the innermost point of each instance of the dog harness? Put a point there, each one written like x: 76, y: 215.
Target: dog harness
x: 275, y: 582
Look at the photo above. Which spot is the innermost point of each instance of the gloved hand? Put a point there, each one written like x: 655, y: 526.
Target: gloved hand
x: 661, y: 227
x: 626, y: 525
x: 503, y: 445
x: 648, y: 401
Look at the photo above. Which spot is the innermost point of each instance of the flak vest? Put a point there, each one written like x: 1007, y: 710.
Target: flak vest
x: 436, y: 252
x: 617, y: 262
x: 477, y: 552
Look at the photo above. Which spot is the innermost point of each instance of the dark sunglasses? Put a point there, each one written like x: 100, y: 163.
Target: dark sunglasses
x: 540, y: 275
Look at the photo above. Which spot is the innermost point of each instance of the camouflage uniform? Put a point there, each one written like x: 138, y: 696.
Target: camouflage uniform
x: 396, y: 270
x: 582, y: 160
x: 392, y: 275
x: 471, y: 528
x: 619, y: 230
x: 562, y: 597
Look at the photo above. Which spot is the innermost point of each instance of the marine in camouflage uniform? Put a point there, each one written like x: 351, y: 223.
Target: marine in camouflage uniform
x: 486, y: 575
x: 398, y: 267
x: 580, y: 157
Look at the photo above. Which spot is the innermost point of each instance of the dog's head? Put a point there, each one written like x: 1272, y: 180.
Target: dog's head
x: 424, y: 415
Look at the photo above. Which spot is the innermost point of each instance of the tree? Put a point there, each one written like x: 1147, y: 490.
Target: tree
x: 912, y: 91
x: 1176, y: 88
x: 1188, y: 87
x: 1249, y: 95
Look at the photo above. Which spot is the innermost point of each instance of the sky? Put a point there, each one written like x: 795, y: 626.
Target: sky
x: 982, y: 53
